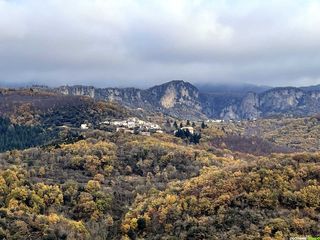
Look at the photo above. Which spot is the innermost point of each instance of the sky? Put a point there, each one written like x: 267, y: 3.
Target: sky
x: 140, y: 43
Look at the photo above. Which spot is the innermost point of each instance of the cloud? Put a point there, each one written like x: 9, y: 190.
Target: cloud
x: 141, y: 43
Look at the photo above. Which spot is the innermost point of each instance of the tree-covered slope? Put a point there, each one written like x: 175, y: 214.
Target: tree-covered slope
x: 120, y: 186
x: 31, y: 118
x: 269, y: 198
x: 84, y: 189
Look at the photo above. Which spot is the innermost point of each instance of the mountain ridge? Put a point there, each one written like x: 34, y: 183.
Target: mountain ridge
x: 184, y: 100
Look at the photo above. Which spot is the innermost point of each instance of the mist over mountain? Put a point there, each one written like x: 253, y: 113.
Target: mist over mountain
x: 229, y: 88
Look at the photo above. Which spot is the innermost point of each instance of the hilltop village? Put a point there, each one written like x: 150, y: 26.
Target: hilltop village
x: 133, y: 125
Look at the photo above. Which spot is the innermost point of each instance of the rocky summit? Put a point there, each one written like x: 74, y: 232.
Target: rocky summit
x: 183, y: 100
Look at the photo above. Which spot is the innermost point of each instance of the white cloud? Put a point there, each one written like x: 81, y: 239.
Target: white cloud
x: 140, y: 42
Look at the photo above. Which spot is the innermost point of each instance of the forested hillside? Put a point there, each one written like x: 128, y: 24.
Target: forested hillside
x: 14, y: 136
x: 190, y: 180
x: 113, y: 186
x: 31, y: 118
x: 268, y: 198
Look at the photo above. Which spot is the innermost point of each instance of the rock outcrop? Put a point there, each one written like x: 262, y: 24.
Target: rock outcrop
x: 183, y: 100
x: 176, y: 98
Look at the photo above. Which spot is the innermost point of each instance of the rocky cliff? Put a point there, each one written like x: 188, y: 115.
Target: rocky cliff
x: 176, y: 98
x: 183, y: 100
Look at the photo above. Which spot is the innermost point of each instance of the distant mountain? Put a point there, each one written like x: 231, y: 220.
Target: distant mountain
x: 177, y: 98
x: 311, y: 88
x: 183, y: 100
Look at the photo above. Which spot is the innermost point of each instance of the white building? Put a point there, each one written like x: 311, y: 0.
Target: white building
x: 215, y: 121
x: 135, y: 123
x: 131, y: 124
x: 145, y: 133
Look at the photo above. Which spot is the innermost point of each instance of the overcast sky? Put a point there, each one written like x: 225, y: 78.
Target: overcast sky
x: 145, y: 42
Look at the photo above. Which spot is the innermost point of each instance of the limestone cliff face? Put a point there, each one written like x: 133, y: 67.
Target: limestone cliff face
x: 131, y: 96
x: 246, y: 107
x: 229, y: 113
x: 183, y: 100
x: 177, y: 98
x: 290, y: 102
x: 175, y: 93
x: 169, y: 98
x: 281, y: 99
x: 78, y: 90
x: 313, y: 101
x: 249, y: 107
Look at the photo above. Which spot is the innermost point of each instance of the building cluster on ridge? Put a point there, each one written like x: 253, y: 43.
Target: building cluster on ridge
x: 134, y: 125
